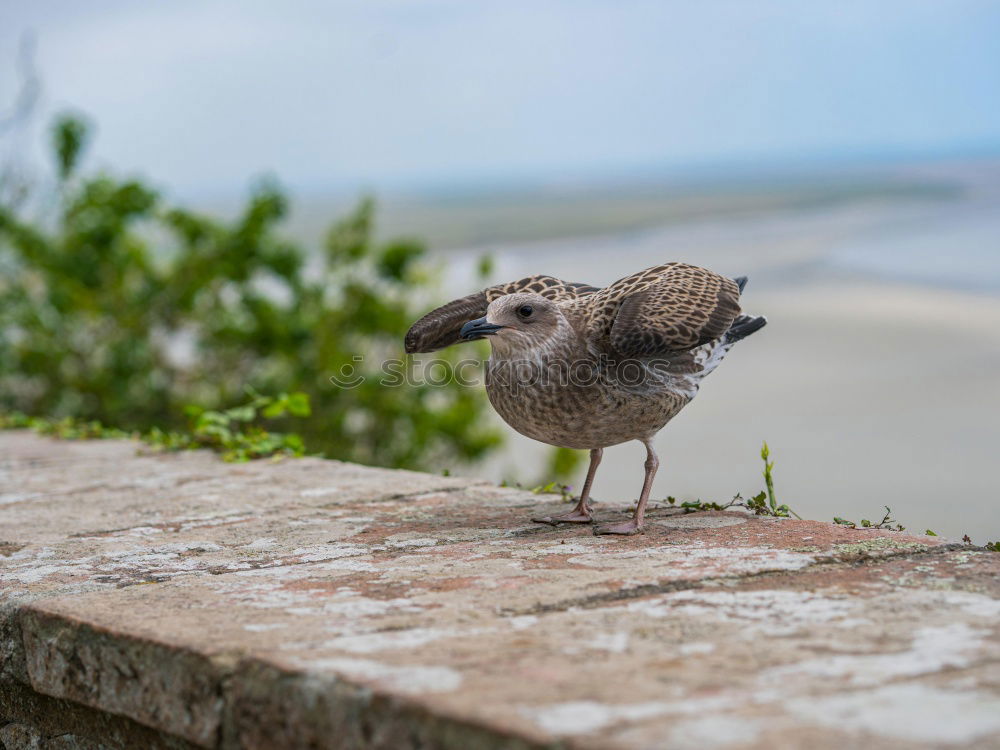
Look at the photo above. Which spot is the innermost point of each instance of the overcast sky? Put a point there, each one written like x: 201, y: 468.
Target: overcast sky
x: 203, y: 94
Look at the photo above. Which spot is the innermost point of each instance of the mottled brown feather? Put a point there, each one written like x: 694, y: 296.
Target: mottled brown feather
x: 665, y: 309
x: 546, y: 286
x: 686, y: 307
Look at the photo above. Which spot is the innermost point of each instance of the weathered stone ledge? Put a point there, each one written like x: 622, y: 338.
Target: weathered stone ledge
x: 175, y: 601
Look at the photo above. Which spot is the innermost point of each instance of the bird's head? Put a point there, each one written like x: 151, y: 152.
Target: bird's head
x: 517, y: 322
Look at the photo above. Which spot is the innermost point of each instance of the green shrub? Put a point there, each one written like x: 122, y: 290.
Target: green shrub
x: 117, y: 307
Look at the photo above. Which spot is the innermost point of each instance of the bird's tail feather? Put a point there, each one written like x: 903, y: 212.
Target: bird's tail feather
x: 743, y: 326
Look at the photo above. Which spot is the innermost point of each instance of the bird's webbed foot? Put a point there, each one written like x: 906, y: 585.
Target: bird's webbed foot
x: 626, y: 528
x: 577, y: 515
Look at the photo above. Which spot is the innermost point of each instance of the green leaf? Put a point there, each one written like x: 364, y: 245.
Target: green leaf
x: 70, y: 136
x: 563, y: 462
x: 211, y: 418
x: 396, y: 258
x: 298, y: 404
x: 242, y: 413
x: 276, y: 408
x: 484, y: 267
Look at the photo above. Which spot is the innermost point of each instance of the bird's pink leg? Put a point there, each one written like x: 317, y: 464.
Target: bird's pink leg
x: 581, y: 513
x: 634, y: 526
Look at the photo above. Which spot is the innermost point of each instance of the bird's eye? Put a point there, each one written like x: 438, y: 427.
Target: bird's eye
x: 525, y: 311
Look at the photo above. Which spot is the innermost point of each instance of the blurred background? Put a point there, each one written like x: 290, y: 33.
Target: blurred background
x: 168, y: 242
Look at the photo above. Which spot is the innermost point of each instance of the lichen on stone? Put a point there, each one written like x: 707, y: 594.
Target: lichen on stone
x: 876, y: 544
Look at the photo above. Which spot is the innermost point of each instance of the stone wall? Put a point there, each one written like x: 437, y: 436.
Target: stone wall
x: 175, y: 601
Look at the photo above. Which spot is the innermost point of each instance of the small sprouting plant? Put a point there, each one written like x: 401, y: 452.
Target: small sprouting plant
x: 756, y: 503
x: 992, y: 546
x: 761, y: 504
x: 765, y: 453
x: 887, y: 522
x: 692, y: 506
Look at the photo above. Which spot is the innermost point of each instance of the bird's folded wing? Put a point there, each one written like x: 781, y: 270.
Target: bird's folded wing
x: 440, y: 327
x: 547, y: 286
x: 680, y: 307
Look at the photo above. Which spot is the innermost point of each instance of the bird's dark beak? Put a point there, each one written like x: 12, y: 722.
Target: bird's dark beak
x: 477, y: 329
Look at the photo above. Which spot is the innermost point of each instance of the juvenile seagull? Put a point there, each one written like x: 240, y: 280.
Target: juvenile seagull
x: 581, y: 367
